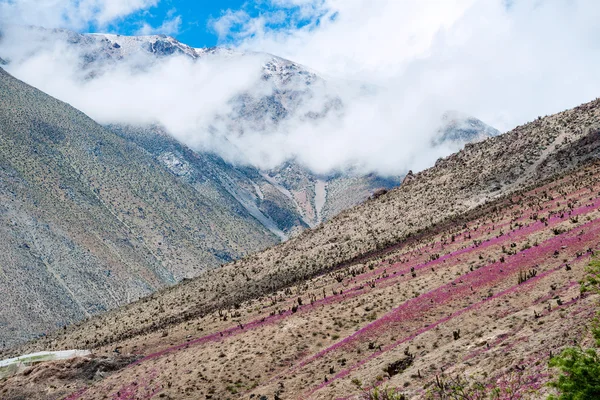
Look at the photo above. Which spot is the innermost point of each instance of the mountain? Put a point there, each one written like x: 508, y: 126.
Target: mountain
x: 91, y: 221
x: 320, y: 198
x: 287, y: 198
x: 282, y: 89
x: 468, y: 269
x: 96, y: 217
x: 459, y: 129
x: 261, y: 197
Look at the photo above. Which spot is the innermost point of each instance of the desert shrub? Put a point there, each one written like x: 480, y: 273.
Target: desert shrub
x: 397, y: 367
x: 524, y: 276
x: 356, y: 382
x: 382, y: 394
x: 591, y: 281
x: 516, y: 385
x: 591, y: 284
x: 458, y: 388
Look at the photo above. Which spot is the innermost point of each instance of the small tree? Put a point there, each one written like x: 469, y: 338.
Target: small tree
x: 580, y: 368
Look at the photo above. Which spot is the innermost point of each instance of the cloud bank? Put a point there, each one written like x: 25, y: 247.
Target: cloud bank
x: 411, y: 60
x: 70, y: 14
x: 503, y: 61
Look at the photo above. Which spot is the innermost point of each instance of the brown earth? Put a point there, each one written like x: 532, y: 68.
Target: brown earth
x: 340, y: 308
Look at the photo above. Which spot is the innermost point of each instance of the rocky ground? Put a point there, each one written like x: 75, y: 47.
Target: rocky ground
x: 490, y: 295
x: 470, y: 267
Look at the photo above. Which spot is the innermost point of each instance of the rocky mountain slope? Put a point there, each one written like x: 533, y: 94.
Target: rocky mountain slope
x: 272, y: 205
x: 287, y: 198
x: 91, y: 221
x: 459, y: 129
x: 471, y: 266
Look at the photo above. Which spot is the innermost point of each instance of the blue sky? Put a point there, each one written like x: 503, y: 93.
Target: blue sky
x: 196, y: 22
x: 194, y: 14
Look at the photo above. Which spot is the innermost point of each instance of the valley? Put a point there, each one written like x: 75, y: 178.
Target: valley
x: 299, y: 200
x: 98, y: 216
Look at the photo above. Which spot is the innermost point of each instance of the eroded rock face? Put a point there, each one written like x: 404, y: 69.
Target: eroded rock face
x: 90, y: 221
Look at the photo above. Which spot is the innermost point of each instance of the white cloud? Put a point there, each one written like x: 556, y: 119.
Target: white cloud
x: 351, y: 37
x: 70, y: 14
x: 223, y: 25
x: 168, y: 27
x: 503, y: 65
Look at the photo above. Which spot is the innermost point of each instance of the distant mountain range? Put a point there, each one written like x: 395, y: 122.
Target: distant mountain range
x: 293, y: 197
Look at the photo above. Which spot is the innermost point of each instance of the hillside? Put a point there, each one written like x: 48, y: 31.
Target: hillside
x: 476, y: 257
x: 91, y: 221
x: 286, y: 200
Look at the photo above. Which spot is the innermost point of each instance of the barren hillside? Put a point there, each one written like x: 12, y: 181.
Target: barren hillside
x: 470, y: 266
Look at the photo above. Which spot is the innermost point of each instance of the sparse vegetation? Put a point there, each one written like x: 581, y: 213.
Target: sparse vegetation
x: 330, y: 313
x: 383, y: 394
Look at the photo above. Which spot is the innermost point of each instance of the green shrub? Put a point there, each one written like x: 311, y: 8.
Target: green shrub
x: 456, y: 388
x: 580, y: 374
x: 383, y: 394
x: 580, y: 368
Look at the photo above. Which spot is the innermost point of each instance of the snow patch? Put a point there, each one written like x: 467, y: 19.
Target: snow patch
x: 11, y: 366
x: 175, y: 164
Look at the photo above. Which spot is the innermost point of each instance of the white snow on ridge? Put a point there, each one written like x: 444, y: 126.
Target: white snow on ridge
x: 11, y: 366
x: 274, y: 66
x: 44, y: 356
x: 131, y: 44
x: 128, y: 45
